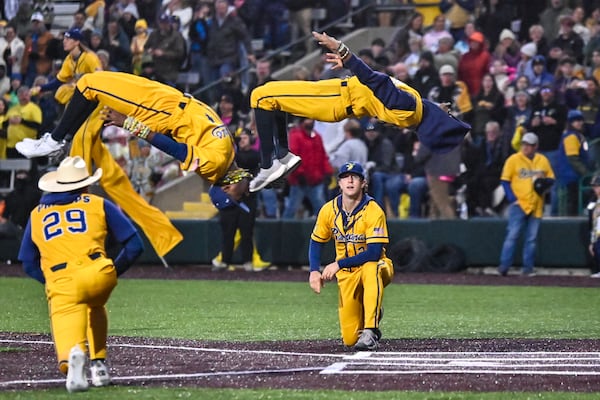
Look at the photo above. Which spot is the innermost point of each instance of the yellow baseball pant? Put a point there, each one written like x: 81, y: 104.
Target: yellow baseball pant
x: 360, y: 299
x: 76, y: 299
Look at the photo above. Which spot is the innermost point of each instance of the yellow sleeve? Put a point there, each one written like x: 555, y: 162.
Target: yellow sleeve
x: 515, y: 142
x: 67, y: 71
x: 322, y: 231
x: 507, y: 170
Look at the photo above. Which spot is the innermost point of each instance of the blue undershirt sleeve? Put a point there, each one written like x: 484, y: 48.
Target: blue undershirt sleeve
x: 373, y: 253
x: 29, y: 255
x: 314, y: 255
x: 126, y: 234
x: 510, y: 195
x: 170, y: 146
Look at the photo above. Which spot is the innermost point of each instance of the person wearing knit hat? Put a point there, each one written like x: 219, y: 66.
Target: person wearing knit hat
x: 529, y: 50
x: 506, y: 34
x: 138, y: 43
x: 507, y: 48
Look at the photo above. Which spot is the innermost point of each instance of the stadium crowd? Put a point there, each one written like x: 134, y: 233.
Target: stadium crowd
x: 506, y: 68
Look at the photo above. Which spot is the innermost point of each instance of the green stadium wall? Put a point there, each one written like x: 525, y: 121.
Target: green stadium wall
x: 562, y: 242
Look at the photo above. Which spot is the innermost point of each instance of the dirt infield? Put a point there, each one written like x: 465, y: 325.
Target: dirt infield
x: 422, y: 365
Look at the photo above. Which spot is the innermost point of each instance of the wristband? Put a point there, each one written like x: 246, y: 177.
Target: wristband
x: 343, y: 51
x: 136, y: 127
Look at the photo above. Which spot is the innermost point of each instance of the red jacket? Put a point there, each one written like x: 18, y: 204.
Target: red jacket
x: 471, y: 68
x: 315, y: 163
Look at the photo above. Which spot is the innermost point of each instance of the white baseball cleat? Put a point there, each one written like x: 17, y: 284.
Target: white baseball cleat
x: 76, y: 379
x: 38, y: 148
x: 99, y: 373
x: 267, y: 176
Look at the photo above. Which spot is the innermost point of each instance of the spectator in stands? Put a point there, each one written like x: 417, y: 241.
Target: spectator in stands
x: 494, y: 18
x: 572, y: 164
x: 228, y: 114
x: 507, y: 49
x: 417, y: 183
x: 462, y: 44
x: 4, y: 79
x: 128, y: 18
x: 138, y: 44
x: 94, y: 13
x: 526, y: 202
x: 13, y: 55
x: 579, y: 27
x: 484, y: 163
x: 385, y: 176
x: 117, y: 44
x: 24, y: 198
x: 446, y: 54
x: 198, y: 41
x: 548, y: 122
x: 226, y: 34
x: 311, y: 177
x: 550, y: 17
x: 181, y: 11
x: 167, y: 48
x: 524, y: 67
x: 398, y: 45
x: 378, y: 50
x: 458, y: 13
x: 438, y: 31
x: 261, y: 75
x: 540, y: 75
x: 594, y: 223
x: 503, y: 77
x: 588, y: 102
x: 518, y: 115
x: 569, y: 41
x: 300, y: 19
x: 235, y: 219
x: 353, y: 148
x: 488, y: 105
x: 24, y: 120
x: 452, y: 91
x: 567, y: 81
x: 3, y: 126
x: 474, y: 63
x: 36, y: 61
x: 426, y: 78
x: 400, y: 72
x: 592, y: 45
x: 594, y: 70
x: 411, y: 59
x: 539, y: 39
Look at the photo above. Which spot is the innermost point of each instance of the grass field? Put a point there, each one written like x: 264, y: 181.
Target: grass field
x: 263, y: 311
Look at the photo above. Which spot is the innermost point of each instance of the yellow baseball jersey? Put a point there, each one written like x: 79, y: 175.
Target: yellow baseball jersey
x: 367, y: 224
x: 72, y: 69
x: 166, y: 110
x: 70, y: 235
x: 573, y: 145
x: 334, y: 100
x: 521, y: 171
x: 17, y: 132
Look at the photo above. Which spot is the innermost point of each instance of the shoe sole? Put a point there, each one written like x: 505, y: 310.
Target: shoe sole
x: 280, y: 182
x: 99, y: 381
x: 27, y: 154
x: 76, y: 381
x: 281, y: 172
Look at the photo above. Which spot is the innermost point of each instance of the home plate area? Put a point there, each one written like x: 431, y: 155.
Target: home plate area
x: 406, y: 364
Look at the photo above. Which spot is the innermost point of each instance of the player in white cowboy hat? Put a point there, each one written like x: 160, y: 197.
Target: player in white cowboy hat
x: 63, y: 247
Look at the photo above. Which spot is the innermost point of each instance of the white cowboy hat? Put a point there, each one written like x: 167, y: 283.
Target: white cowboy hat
x: 71, y: 174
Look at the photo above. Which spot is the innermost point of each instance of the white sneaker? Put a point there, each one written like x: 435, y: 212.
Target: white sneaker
x: 267, y: 176
x: 248, y: 266
x: 596, y: 275
x: 291, y: 162
x: 38, y: 148
x: 76, y: 379
x: 99, y: 373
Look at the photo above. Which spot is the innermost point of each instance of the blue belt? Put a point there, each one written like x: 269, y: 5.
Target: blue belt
x: 60, y: 266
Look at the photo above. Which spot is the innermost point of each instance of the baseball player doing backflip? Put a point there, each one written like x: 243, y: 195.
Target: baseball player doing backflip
x: 170, y: 120
x: 367, y: 93
x: 358, y: 226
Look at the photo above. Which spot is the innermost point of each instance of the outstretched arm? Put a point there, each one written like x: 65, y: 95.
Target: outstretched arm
x: 380, y: 84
